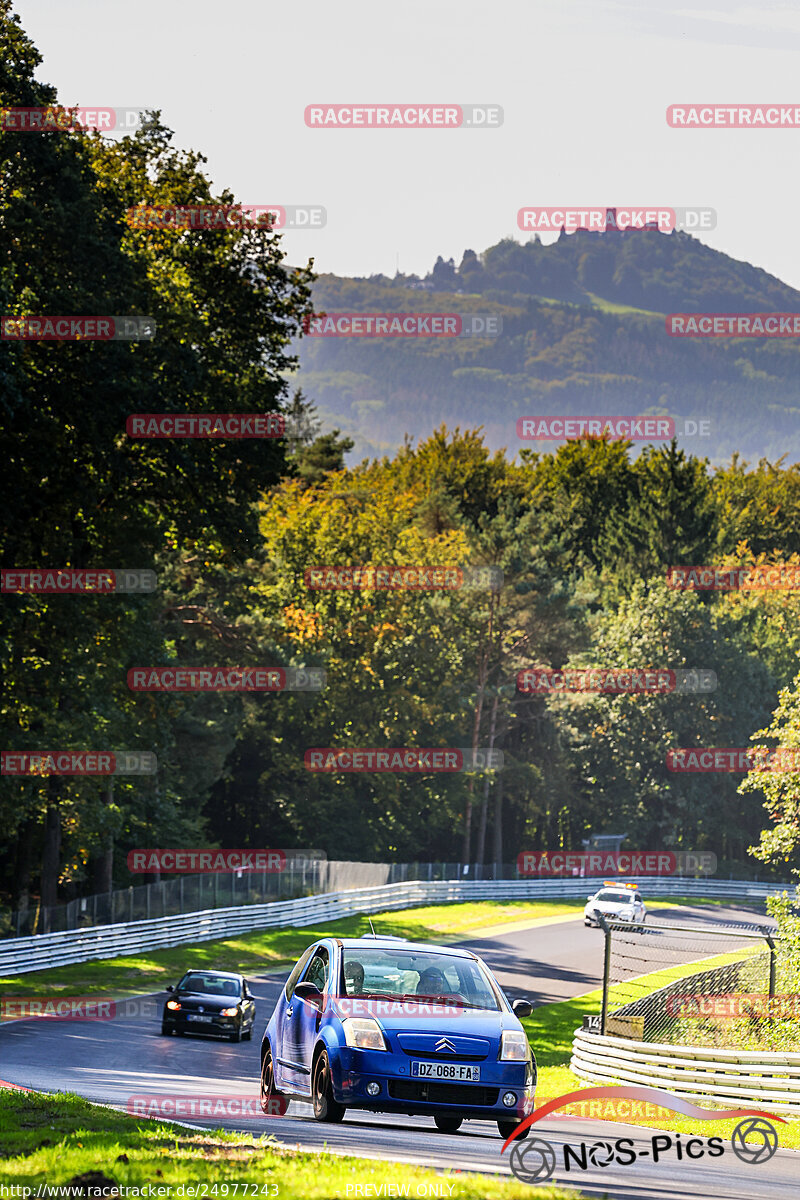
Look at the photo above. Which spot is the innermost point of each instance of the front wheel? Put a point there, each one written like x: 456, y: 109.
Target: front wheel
x: 326, y: 1108
x: 236, y: 1035
x: 166, y: 1030
x: 248, y: 1037
x: 507, y: 1128
x: 447, y: 1124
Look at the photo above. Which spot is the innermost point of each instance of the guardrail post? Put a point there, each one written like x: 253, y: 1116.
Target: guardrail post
x: 606, y: 970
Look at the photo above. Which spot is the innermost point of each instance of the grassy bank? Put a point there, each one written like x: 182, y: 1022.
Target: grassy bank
x: 265, y: 950
x: 269, y: 949
x: 59, y: 1140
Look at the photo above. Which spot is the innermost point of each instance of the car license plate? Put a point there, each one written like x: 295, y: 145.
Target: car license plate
x: 440, y: 1070
x: 194, y: 1017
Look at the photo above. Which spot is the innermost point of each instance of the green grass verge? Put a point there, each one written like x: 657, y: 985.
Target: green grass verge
x: 58, y: 1139
x: 269, y: 949
x: 254, y: 953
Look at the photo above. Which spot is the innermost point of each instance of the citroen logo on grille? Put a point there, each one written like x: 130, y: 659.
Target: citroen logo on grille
x: 445, y: 1044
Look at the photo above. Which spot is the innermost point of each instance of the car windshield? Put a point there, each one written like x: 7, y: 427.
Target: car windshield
x: 209, y: 985
x: 400, y: 974
x: 616, y: 897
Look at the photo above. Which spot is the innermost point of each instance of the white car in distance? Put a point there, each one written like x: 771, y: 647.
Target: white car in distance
x: 616, y: 902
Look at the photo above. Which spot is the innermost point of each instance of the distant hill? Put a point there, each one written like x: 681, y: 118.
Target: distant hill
x: 583, y: 333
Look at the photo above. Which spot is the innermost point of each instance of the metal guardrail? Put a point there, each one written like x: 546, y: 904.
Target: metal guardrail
x: 766, y: 1078
x: 23, y: 955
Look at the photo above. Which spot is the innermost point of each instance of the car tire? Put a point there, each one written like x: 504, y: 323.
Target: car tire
x: 448, y: 1124
x: 166, y: 1030
x: 268, y: 1091
x: 506, y: 1129
x: 248, y: 1037
x: 236, y: 1035
x: 326, y: 1107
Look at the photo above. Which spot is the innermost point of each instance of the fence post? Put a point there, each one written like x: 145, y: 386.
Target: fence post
x: 768, y: 939
x: 606, y: 970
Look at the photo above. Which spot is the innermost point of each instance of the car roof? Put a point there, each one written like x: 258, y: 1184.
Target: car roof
x: 395, y: 944
x: 219, y: 974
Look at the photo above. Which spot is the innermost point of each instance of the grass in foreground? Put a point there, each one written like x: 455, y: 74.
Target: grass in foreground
x: 57, y: 1139
x: 254, y: 953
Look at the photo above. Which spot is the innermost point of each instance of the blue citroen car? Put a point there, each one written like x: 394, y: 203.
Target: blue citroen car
x: 383, y: 1024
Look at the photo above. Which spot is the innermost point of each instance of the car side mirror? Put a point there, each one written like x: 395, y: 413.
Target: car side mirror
x: 170, y: 988
x: 310, y: 993
x: 522, y: 1008
x: 590, y: 897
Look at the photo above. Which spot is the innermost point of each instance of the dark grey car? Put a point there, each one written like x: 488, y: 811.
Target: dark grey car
x: 218, y: 1002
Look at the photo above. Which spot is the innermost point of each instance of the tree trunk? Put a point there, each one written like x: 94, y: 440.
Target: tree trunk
x: 481, y: 852
x: 498, y: 827
x: 483, y: 672
x: 51, y: 854
x: 23, y: 865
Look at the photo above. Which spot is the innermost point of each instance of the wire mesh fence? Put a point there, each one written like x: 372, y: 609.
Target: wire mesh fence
x: 728, y: 987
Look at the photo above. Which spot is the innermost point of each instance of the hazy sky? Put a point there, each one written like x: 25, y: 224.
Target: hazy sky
x: 584, y: 85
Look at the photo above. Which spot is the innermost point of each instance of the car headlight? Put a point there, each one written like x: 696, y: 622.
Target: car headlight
x: 173, y: 1004
x: 514, y: 1046
x: 228, y: 1012
x: 363, y: 1033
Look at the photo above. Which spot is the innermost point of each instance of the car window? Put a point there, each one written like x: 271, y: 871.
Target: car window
x: 317, y: 972
x: 296, y: 972
x: 402, y: 973
x: 615, y: 897
x: 209, y: 985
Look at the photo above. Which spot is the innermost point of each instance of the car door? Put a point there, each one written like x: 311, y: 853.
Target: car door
x: 248, y: 1005
x: 281, y: 1050
x: 301, y: 1021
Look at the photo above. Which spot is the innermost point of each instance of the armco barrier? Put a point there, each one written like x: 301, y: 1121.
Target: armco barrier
x: 767, y: 1079
x: 22, y: 955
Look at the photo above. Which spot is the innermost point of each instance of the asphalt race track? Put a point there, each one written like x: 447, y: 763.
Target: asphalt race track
x: 110, y: 1061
